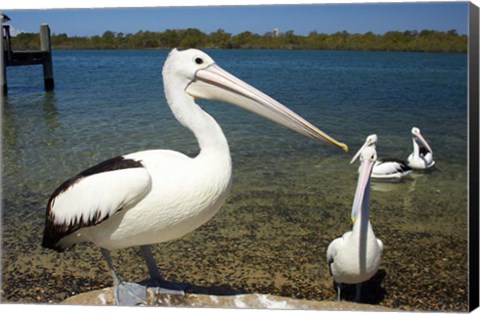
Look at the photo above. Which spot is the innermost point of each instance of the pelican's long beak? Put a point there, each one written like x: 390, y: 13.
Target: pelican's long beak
x: 359, y: 152
x: 214, y: 83
x: 422, y: 140
x: 365, y: 170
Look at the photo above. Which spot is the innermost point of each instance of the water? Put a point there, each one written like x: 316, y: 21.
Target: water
x: 108, y: 103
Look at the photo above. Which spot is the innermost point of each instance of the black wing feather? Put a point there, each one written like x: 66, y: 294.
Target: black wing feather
x: 54, y: 232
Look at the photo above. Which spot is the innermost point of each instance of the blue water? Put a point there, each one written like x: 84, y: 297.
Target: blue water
x: 111, y: 102
x: 108, y: 103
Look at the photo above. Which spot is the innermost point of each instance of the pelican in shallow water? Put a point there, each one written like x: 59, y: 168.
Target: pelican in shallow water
x: 355, y: 257
x: 155, y: 196
x: 422, y: 155
x: 385, y: 169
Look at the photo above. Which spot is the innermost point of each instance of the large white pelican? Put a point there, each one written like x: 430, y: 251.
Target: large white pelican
x: 155, y: 196
x: 422, y: 156
x: 384, y: 169
x: 355, y: 257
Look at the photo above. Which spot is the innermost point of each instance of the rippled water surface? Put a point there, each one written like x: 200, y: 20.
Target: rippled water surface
x: 291, y: 196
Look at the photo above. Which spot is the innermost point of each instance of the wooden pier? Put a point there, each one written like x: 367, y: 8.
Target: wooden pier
x: 12, y: 57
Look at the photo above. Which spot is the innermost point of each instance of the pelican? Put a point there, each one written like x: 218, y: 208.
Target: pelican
x: 355, y: 257
x: 385, y: 169
x: 422, y: 156
x: 153, y: 196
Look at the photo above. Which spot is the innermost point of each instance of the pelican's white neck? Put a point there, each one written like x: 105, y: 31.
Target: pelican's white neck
x: 209, y: 135
x: 362, y: 223
x: 416, y: 148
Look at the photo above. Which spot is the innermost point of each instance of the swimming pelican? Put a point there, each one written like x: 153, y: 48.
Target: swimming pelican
x: 355, y: 257
x: 422, y: 156
x: 385, y: 169
x: 155, y: 196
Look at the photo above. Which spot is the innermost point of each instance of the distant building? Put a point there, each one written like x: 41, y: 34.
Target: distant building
x: 276, y: 32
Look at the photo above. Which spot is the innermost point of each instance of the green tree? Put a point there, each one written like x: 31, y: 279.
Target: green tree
x: 220, y: 39
x: 409, y: 40
x: 170, y: 39
x: 191, y: 38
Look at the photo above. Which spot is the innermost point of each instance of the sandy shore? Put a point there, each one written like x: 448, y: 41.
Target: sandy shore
x: 272, y: 241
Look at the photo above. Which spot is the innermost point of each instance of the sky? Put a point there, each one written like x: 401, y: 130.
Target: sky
x: 300, y: 18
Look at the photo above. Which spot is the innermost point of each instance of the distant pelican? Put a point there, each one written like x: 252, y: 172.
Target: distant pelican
x: 355, y: 257
x: 384, y: 169
x: 422, y: 156
x: 155, y: 196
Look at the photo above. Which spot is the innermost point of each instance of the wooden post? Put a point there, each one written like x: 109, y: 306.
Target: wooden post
x: 46, y: 47
x: 7, y: 44
x: 3, y: 65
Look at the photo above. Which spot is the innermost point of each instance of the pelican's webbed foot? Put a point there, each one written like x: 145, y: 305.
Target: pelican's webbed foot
x: 130, y: 294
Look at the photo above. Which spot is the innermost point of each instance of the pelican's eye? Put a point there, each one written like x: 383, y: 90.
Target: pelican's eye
x: 199, y: 60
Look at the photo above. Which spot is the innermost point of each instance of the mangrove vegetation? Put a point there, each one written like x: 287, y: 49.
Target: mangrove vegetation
x: 410, y: 40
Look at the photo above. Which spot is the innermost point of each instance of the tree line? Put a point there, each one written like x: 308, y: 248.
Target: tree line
x: 410, y: 40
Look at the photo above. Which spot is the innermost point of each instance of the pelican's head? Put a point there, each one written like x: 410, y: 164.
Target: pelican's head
x: 369, y: 142
x: 182, y: 66
x: 368, y: 156
x: 415, y: 131
x: 418, y: 137
x: 200, y: 77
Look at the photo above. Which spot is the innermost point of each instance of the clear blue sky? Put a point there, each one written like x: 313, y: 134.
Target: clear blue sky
x: 302, y: 19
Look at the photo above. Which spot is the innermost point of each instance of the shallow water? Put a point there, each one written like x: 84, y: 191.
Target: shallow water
x: 290, y: 197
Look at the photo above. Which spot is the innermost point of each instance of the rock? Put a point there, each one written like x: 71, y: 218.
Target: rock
x: 247, y: 301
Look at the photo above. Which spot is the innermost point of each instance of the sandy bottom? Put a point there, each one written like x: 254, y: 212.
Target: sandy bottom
x: 272, y: 240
